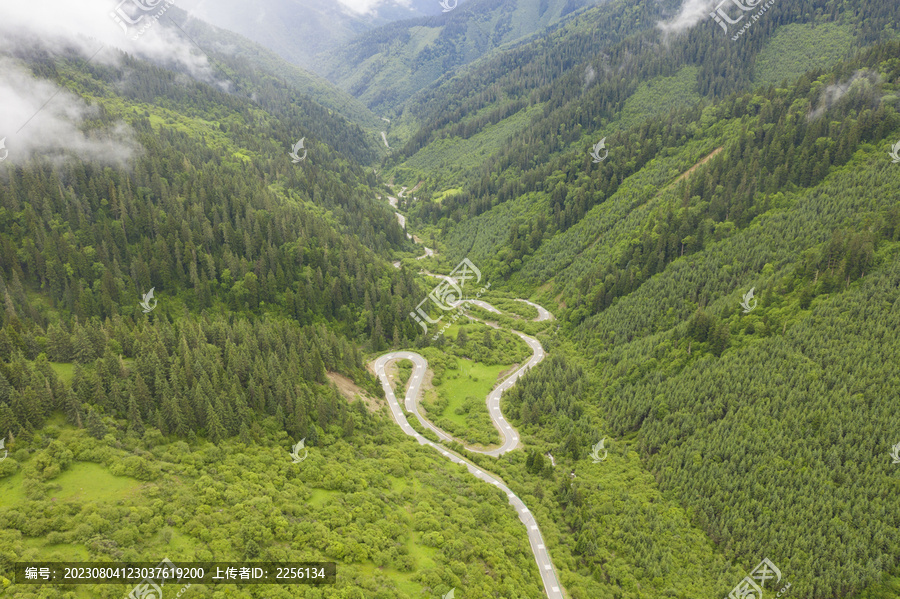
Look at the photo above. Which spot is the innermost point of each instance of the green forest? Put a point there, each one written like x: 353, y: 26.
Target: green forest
x: 757, y: 170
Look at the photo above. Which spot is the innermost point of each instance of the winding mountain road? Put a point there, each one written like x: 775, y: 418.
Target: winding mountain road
x: 510, y: 437
x: 402, y: 220
x: 543, y: 314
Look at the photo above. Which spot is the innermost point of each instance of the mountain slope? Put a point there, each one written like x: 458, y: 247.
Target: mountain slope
x: 387, y: 66
x: 299, y: 30
x: 265, y: 68
x: 606, y: 69
x: 725, y: 284
x: 268, y: 275
x: 717, y: 182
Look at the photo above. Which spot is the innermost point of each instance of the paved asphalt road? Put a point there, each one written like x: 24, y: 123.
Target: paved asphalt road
x: 510, y: 436
x: 543, y: 314
x: 402, y: 220
x: 548, y: 575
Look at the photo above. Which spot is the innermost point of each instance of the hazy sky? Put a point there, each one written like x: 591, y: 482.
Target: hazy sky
x: 39, y: 117
x: 362, y: 6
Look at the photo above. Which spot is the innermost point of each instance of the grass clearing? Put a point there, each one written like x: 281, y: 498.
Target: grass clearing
x: 11, y: 492
x: 88, y: 482
x: 318, y: 497
x: 459, y: 407
x: 469, y: 378
x: 64, y: 370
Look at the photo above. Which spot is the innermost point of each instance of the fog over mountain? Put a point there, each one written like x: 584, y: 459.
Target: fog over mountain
x: 298, y: 30
x: 29, y: 123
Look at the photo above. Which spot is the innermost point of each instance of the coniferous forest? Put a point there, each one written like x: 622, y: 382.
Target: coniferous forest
x: 687, y: 247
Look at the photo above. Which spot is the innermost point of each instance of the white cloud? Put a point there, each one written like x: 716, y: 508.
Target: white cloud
x: 88, y: 25
x: 862, y: 81
x: 691, y: 13
x: 86, y: 28
x: 589, y: 75
x: 369, y: 6
x: 38, y: 117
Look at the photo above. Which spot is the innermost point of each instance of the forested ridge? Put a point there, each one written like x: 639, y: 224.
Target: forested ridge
x: 732, y: 434
x: 582, y: 78
x: 768, y: 430
x: 387, y: 66
x: 269, y: 277
x: 238, y: 251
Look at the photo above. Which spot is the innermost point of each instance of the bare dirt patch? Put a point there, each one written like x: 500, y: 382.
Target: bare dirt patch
x: 352, y: 392
x: 703, y: 161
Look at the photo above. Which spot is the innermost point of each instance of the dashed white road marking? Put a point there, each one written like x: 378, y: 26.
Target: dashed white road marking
x: 493, y: 402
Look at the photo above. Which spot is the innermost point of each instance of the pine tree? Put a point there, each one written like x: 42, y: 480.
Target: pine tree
x: 141, y: 394
x: 215, y: 430
x: 82, y: 347
x: 720, y: 338
x: 28, y: 406
x: 5, y: 389
x: 244, y: 433
x: 183, y: 418
x: 95, y: 426
x: 9, y: 424
x: 6, y: 345
x: 59, y: 344
x: 135, y: 422
x: 73, y: 408
x: 312, y: 438
x: 161, y: 423
x: 378, y: 335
